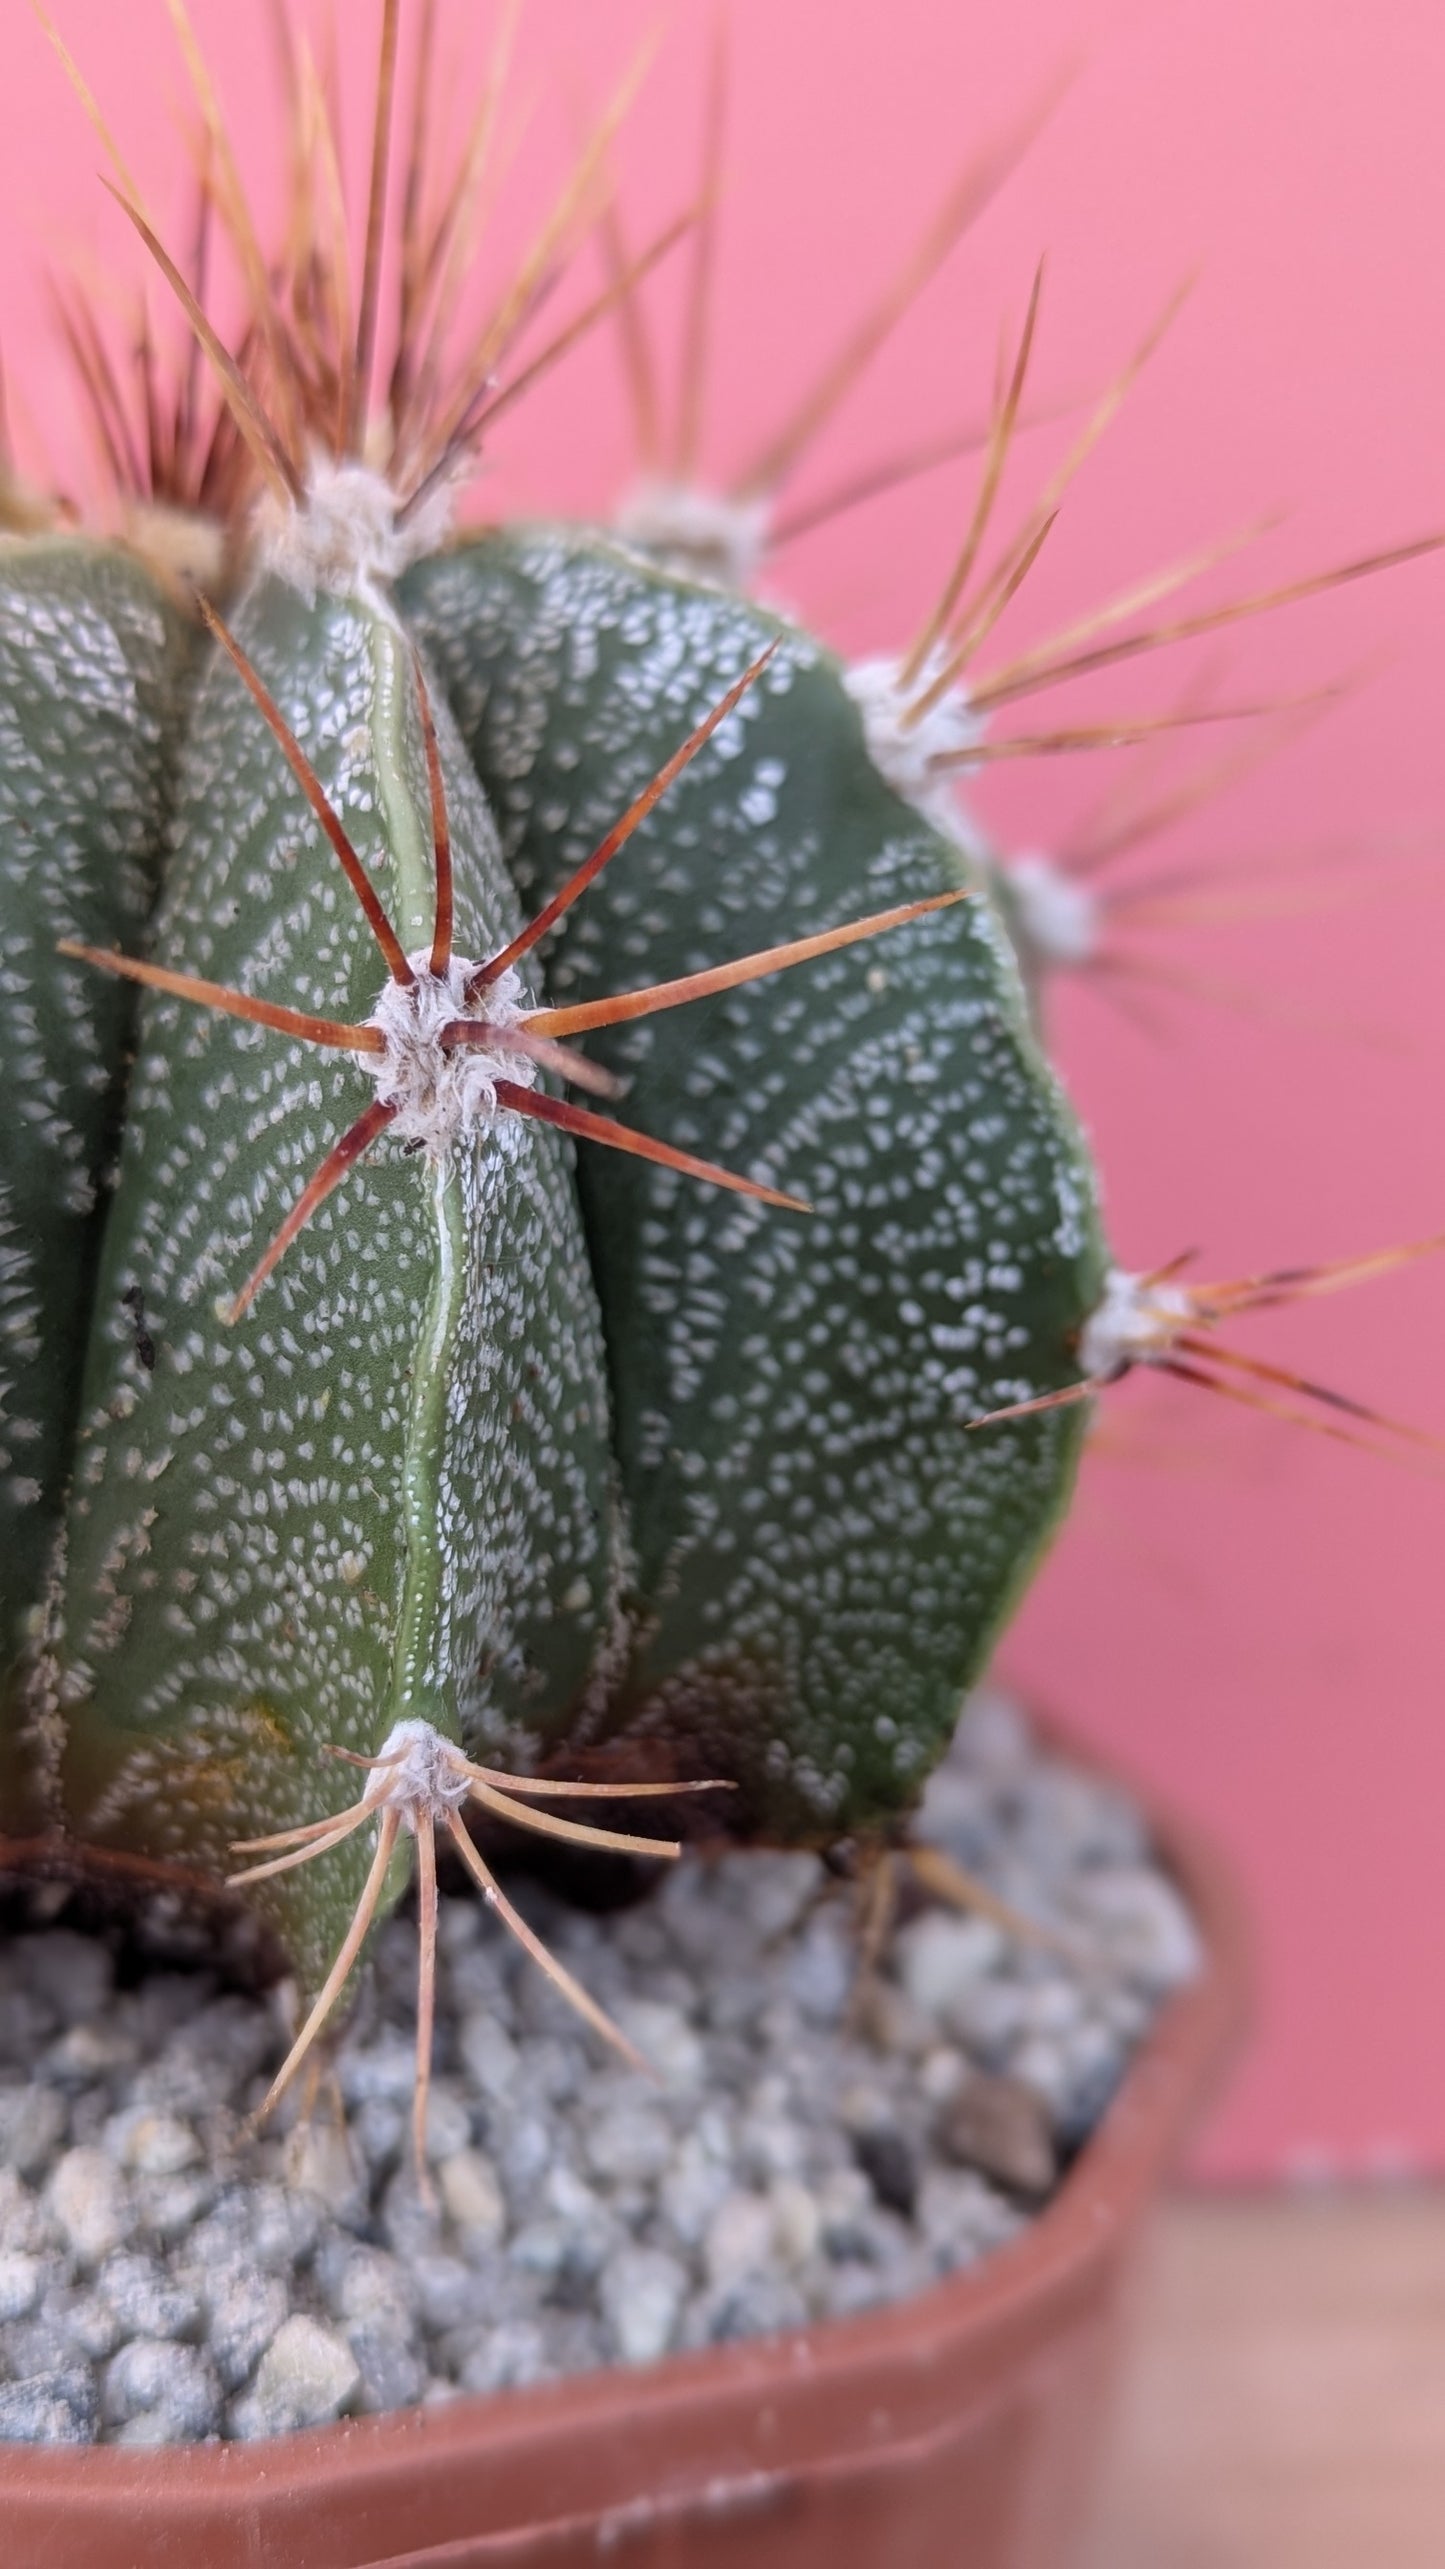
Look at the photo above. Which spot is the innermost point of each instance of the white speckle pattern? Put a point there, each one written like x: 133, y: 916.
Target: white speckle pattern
x: 817, y: 1534
x: 90, y: 658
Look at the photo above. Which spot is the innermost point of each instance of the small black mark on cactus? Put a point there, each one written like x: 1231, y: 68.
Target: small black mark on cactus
x: 133, y: 1300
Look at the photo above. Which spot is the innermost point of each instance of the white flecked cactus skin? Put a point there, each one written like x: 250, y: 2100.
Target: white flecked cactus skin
x: 824, y: 1547
x: 388, y: 1490
x: 92, y: 660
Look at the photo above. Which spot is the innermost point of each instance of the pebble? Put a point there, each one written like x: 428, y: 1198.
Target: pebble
x: 89, y: 2200
x: 307, y: 2375
x: 1144, y: 1924
x: 797, y: 2222
x: 488, y: 2053
x: 58, y: 2407
x: 739, y: 2238
x: 940, y: 1958
x: 21, y: 2278
x: 641, y: 2292
x: 32, y: 2124
x: 959, y: 2216
x: 629, y: 2143
x: 890, y: 2163
x: 691, y: 2191
x: 1001, y: 2127
x: 448, y: 2123
x: 245, y: 2311
x: 153, y: 2145
x: 148, y: 2302
x: 666, y: 2041
x: 505, y: 2358
x: 756, y: 2305
x: 168, y: 2207
x: 807, y: 2147
x: 322, y: 2162
x: 390, y: 2370
x: 467, y: 2183
x: 821, y: 1968
x: 159, y: 2393
x: 25, y: 2221
x: 92, y: 2327
x: 446, y: 2290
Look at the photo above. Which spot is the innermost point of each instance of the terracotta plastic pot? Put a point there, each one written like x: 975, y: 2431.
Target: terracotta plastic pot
x: 961, y: 2426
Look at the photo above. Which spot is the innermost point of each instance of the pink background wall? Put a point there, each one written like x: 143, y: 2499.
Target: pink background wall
x: 1251, y: 1616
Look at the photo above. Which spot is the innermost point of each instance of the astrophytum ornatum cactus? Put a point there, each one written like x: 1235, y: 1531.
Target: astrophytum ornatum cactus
x: 689, y: 1444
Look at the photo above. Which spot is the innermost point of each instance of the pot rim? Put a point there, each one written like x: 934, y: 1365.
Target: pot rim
x: 768, y: 2393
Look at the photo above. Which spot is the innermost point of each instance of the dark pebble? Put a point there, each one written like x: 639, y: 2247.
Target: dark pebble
x: 1001, y: 2127
x: 890, y: 2164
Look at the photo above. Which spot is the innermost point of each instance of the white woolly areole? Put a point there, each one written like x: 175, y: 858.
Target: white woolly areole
x: 441, y: 1095
x: 421, y: 1778
x: 344, y: 534
x: 699, y: 533
x: 905, y: 753
x: 1059, y: 918
x: 1135, y: 1323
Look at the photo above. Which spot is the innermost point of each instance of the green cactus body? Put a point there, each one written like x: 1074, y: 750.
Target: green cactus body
x: 823, y: 1552
x: 385, y: 1494
x: 91, y: 659
x: 519, y: 1474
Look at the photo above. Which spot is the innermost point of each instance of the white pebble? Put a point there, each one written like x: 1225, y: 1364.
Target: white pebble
x: 739, y: 2239
x: 90, y: 2201
x: 488, y: 2053
x: 938, y: 1958
x: 691, y: 2191
x: 307, y: 2375
x: 629, y: 2144
x: 161, y: 2393
x: 1143, y: 1924
x: 797, y: 2221
x: 473, y: 2198
x: 320, y: 2163
x: 25, y: 2222
x: 448, y: 2124
x: 20, y: 2281
x: 32, y: 2121
x: 941, y: 2075
x: 160, y: 2145
x: 665, y: 2039
x: 641, y: 2291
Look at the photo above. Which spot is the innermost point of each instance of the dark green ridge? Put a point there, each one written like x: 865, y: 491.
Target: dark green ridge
x: 92, y: 665
x: 387, y: 1491
x: 823, y: 1553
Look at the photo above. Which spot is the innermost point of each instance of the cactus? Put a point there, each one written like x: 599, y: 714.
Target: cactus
x: 515, y: 1451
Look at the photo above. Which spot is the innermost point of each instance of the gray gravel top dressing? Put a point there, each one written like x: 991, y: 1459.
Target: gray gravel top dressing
x: 811, y: 2145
